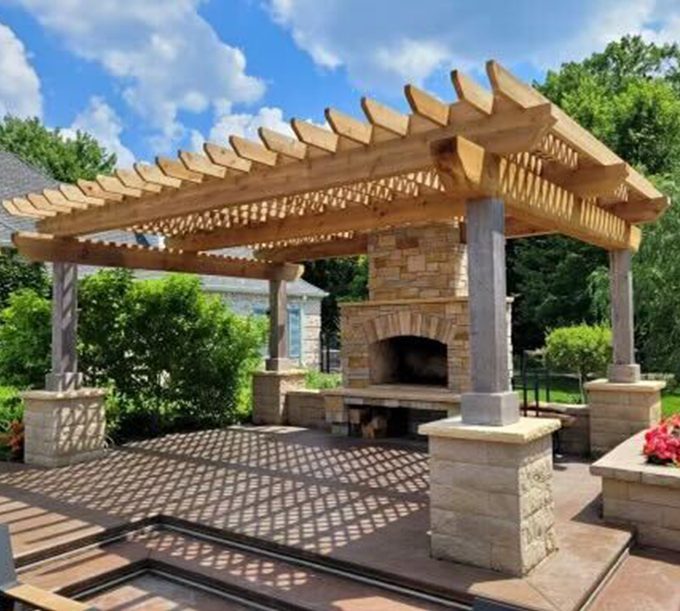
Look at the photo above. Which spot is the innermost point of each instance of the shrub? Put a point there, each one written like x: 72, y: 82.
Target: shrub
x: 174, y: 358
x: 25, y: 340
x: 583, y: 349
x: 320, y: 380
x: 11, y: 426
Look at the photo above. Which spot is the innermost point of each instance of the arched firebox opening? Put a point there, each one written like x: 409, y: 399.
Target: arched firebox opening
x: 408, y: 359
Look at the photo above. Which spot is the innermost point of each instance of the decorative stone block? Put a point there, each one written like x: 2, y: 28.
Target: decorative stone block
x: 643, y: 496
x: 491, y: 498
x: 269, y: 394
x: 306, y: 408
x: 619, y: 410
x: 63, y: 428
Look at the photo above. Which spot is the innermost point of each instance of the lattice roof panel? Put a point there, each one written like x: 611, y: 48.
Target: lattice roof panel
x: 363, y: 175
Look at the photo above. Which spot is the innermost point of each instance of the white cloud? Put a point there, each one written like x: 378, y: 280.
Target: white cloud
x: 166, y: 57
x: 19, y: 84
x: 100, y: 120
x: 382, y: 43
x: 242, y: 124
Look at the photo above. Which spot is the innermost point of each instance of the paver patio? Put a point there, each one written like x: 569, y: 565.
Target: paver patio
x: 358, y: 501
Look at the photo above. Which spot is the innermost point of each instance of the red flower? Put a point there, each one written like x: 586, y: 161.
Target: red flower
x: 662, y: 443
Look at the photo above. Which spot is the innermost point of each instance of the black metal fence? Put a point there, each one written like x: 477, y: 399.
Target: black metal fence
x: 538, y: 385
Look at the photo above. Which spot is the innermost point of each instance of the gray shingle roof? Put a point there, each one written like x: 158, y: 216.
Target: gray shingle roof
x: 17, y: 178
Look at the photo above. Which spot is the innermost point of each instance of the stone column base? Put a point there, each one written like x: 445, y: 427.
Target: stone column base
x: 269, y: 394
x: 63, y: 428
x: 491, y: 500
x: 619, y: 410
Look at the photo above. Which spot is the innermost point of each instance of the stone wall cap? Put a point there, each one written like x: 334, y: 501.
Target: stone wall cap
x: 408, y: 302
x: 397, y: 392
x: 626, y: 462
x: 641, y: 386
x: 523, y: 431
x: 51, y: 395
x: 304, y: 391
x: 285, y: 373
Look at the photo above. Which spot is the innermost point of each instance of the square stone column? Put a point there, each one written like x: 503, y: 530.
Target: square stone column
x: 619, y: 410
x: 269, y: 394
x: 491, y: 499
x: 491, y: 401
x: 623, y: 369
x: 64, y: 375
x: 63, y: 428
x: 278, y: 327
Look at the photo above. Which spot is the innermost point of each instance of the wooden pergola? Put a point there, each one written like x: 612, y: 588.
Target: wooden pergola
x: 318, y: 195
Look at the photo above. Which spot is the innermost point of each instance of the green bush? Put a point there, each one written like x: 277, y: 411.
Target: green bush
x: 25, y: 337
x: 582, y: 349
x: 11, y: 406
x: 320, y: 380
x: 174, y: 358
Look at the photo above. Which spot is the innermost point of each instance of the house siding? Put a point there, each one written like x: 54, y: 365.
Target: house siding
x: 310, y: 319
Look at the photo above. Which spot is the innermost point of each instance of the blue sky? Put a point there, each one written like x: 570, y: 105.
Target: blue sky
x: 147, y: 77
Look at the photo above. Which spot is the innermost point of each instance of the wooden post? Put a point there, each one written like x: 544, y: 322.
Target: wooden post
x: 64, y: 374
x: 278, y: 328
x: 491, y: 401
x: 623, y: 368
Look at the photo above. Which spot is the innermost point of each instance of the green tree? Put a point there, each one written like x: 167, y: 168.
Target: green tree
x: 65, y: 159
x: 629, y: 97
x: 17, y: 273
x: 25, y: 336
x: 345, y: 279
x: 583, y: 349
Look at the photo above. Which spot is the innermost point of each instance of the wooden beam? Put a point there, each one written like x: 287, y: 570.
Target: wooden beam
x: 380, y: 160
x: 41, y: 247
x: 509, y: 89
x: 467, y: 168
x: 330, y: 249
x: 590, y: 181
x: 515, y: 229
x: 360, y: 218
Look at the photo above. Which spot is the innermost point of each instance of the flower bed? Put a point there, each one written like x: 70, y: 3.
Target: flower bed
x: 662, y: 443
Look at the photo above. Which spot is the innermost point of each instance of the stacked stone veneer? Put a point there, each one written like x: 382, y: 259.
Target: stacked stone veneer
x: 65, y: 427
x: 641, y: 495
x: 619, y: 410
x: 270, y: 389
x: 491, y: 503
x: 417, y: 263
x: 417, y: 286
x: 443, y: 319
x: 306, y: 408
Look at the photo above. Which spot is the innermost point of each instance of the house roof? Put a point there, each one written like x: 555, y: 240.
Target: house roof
x: 18, y: 178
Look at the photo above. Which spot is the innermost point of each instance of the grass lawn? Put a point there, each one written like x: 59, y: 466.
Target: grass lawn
x: 670, y: 403
x: 565, y: 390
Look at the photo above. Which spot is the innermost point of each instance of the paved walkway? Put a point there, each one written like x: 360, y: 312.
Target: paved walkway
x: 361, y: 501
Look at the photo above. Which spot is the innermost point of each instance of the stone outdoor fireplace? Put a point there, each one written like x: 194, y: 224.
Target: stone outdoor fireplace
x: 405, y: 351
x: 408, y: 359
x: 413, y: 330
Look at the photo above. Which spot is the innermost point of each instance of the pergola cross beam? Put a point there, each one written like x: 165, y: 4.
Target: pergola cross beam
x: 40, y: 247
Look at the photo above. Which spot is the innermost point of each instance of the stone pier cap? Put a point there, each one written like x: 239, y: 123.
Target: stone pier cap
x: 523, y: 431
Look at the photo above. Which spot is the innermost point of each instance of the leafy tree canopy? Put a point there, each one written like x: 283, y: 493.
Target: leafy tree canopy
x: 65, y: 159
x: 629, y: 97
